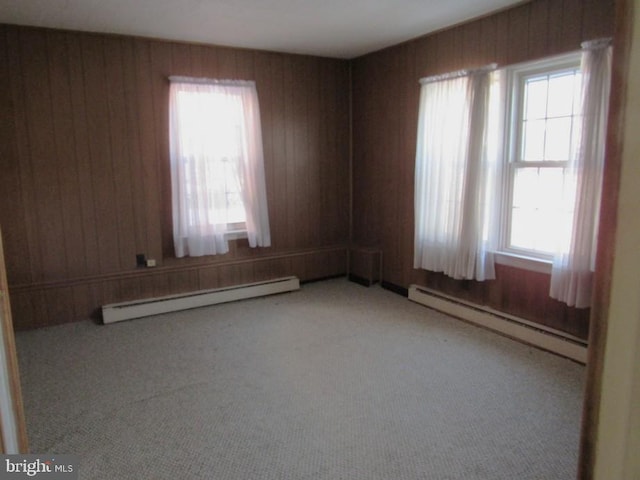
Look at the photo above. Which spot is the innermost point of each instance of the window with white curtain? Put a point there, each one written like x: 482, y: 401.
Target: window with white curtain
x: 543, y: 130
x: 217, y: 166
x: 529, y: 186
x: 457, y: 174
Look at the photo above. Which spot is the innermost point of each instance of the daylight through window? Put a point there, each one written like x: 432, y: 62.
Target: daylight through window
x: 217, y: 171
x: 545, y: 129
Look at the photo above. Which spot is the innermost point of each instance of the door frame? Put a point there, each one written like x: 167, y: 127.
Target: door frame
x: 13, y: 430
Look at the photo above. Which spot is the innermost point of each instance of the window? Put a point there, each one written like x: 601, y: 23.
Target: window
x: 217, y: 171
x: 548, y: 176
x: 544, y: 126
x: 455, y: 175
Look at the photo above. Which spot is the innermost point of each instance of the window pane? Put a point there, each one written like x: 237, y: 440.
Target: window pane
x: 522, y: 230
x: 210, y: 141
x: 561, y: 94
x: 548, y: 116
x: 235, y: 208
x: 536, y: 214
x: 525, y: 191
x: 550, y: 187
x: 558, y: 139
x: 535, y: 103
x: 533, y: 140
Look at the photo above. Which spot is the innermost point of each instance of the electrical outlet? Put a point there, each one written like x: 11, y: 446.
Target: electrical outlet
x: 141, y: 259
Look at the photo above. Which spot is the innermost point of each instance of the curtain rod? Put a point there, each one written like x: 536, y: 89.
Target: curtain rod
x: 210, y: 81
x: 586, y: 45
x: 459, y: 73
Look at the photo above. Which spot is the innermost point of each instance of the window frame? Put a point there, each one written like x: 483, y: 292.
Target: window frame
x: 194, y: 238
x: 234, y: 230
x: 515, y: 77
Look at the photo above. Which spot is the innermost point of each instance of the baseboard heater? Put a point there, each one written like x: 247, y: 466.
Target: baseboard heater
x: 517, y: 328
x: 117, y: 312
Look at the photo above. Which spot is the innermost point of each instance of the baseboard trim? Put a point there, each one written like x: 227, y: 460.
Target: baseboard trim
x: 511, y: 326
x: 117, y: 312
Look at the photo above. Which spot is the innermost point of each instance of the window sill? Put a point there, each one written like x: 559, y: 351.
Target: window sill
x: 235, y: 234
x: 523, y: 262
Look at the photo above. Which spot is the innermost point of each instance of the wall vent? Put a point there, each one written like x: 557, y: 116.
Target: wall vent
x: 117, y: 312
x: 517, y: 328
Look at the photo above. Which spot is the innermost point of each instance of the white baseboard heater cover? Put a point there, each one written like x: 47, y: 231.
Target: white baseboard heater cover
x: 518, y: 328
x: 117, y: 312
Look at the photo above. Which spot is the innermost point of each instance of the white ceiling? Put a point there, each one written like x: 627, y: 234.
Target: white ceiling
x: 333, y: 28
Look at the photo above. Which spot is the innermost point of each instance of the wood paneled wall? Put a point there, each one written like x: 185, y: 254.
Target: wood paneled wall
x: 84, y: 169
x: 385, y: 93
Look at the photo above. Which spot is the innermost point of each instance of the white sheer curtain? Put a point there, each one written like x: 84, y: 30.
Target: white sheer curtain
x: 456, y: 175
x: 217, y: 164
x: 572, y: 272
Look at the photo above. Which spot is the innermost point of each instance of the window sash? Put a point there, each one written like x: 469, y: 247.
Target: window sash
x: 235, y: 216
x: 515, y: 159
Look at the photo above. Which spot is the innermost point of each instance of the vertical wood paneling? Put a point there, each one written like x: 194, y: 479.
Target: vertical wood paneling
x: 392, y: 170
x: 539, y: 23
x: 208, y: 278
x: 65, y: 154
x: 131, y: 289
x: 555, y: 28
x: 385, y: 111
x: 226, y: 64
x: 279, y: 210
x: 17, y: 247
x: 488, y: 39
x: 334, y: 144
x: 210, y: 62
x: 81, y: 141
x: 368, y: 195
x: 120, y: 151
x: 136, y: 165
x: 300, y: 127
x: 448, y: 53
x: 267, y: 269
x: 265, y: 86
x: 85, y: 303
x: 598, y: 14
x: 181, y: 59
x: 471, y: 49
x: 312, y: 152
x: 160, y: 285
x: 290, y: 131
x: 502, y: 38
x: 149, y: 153
x: 197, y: 61
x: 409, y: 139
x: 572, y: 23
x: 100, y: 156
x: 518, y: 34
x: 244, y: 69
x: 59, y: 302
x: 43, y: 163
x: 183, y: 281
x: 85, y: 164
x: 162, y: 68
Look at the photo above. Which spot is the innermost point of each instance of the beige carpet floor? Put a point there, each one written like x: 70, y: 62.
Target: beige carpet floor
x: 336, y: 381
